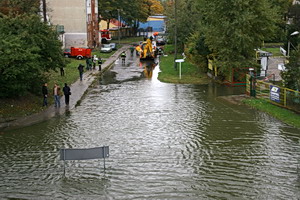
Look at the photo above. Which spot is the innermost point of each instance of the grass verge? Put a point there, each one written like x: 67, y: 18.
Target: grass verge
x: 274, y: 51
x: 128, y: 40
x: 287, y: 116
x: 190, y: 74
x: 30, y: 104
x: 102, y: 55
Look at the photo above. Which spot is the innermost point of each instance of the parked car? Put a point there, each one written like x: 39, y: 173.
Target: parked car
x: 106, y: 48
x: 113, y: 46
x: 160, y: 41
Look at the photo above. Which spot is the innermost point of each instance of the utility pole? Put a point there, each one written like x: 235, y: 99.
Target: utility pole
x: 175, y: 55
x: 45, y: 11
x: 119, y: 23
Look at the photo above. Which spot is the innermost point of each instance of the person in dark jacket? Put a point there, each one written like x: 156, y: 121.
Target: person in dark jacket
x: 45, y: 94
x: 67, y: 93
x: 123, y: 56
x: 62, y: 71
x: 80, y: 69
x: 99, y: 63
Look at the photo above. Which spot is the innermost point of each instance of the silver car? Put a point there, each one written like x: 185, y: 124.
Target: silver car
x: 106, y: 48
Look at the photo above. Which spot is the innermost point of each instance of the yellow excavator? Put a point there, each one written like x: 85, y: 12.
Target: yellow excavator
x: 146, y: 50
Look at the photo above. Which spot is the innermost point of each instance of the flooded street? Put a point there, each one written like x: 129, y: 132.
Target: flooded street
x: 167, y: 141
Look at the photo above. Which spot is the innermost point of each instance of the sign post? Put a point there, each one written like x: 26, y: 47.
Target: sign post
x: 84, y: 154
x: 180, y: 61
x: 275, y: 93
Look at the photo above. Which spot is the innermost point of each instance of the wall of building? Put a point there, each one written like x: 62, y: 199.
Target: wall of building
x: 70, y: 13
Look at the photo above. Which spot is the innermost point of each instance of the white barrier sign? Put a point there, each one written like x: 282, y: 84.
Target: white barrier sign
x: 84, y: 154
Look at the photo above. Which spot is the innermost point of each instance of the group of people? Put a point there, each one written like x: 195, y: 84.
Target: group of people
x: 57, y: 94
x: 91, y: 63
x: 66, y: 91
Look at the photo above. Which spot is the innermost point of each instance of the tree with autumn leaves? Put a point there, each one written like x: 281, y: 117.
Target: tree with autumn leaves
x: 132, y: 12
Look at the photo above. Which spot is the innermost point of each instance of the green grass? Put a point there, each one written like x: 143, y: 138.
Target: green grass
x: 282, y: 114
x: 128, y: 40
x: 272, y: 44
x: 169, y: 49
x: 274, y: 51
x: 19, y: 107
x: 102, y: 55
x: 190, y: 74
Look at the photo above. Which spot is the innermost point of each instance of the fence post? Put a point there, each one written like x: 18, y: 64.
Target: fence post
x: 284, y: 97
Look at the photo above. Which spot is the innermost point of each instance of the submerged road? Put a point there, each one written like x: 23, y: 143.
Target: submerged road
x: 167, y: 141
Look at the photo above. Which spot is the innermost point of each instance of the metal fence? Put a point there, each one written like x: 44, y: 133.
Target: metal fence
x: 277, y: 95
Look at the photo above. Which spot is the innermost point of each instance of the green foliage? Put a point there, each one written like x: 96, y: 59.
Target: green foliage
x: 17, y: 7
x: 294, y: 13
x: 233, y: 29
x: 229, y: 29
x: 282, y: 114
x: 291, y: 75
x: 187, y: 20
x: 28, y: 48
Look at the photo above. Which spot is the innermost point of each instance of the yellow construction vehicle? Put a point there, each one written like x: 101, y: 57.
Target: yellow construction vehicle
x: 147, y: 50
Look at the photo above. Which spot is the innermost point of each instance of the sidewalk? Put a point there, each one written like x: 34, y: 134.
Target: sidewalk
x: 78, y: 89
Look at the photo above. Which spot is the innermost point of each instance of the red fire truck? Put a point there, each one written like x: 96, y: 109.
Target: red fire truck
x: 105, y: 36
x: 78, y: 53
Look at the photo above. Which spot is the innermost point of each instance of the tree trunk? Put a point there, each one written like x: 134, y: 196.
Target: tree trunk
x: 108, y: 22
x: 45, y: 11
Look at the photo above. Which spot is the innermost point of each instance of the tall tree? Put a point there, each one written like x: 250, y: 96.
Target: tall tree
x: 187, y: 20
x: 131, y: 11
x: 291, y: 75
x: 28, y: 48
x: 234, y: 28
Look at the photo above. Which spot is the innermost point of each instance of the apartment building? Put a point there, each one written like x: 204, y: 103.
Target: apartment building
x: 76, y: 20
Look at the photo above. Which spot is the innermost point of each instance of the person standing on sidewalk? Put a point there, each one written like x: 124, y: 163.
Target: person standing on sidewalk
x: 80, y: 69
x: 62, y: 71
x: 56, y: 93
x: 45, y: 94
x: 95, y: 59
x: 99, y: 63
x: 123, y: 56
x: 67, y: 93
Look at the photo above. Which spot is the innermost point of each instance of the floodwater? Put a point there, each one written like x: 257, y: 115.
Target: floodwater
x: 167, y: 141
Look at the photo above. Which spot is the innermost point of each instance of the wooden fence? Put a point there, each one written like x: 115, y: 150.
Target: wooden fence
x: 277, y: 95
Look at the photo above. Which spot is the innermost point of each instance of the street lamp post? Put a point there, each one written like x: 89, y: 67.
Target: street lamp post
x: 119, y: 26
x: 175, y: 15
x: 252, y: 82
x: 289, y: 42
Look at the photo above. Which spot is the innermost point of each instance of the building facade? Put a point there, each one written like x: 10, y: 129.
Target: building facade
x: 77, y: 21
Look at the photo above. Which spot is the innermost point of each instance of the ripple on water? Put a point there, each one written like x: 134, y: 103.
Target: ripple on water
x: 166, y: 142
